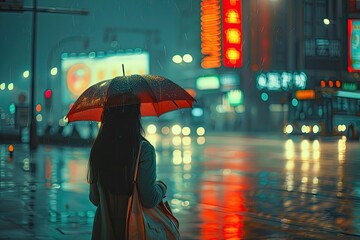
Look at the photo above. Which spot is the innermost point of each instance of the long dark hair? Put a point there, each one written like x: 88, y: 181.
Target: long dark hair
x: 112, y: 155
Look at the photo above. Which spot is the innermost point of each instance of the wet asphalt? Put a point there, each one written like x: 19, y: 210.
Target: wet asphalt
x: 220, y: 186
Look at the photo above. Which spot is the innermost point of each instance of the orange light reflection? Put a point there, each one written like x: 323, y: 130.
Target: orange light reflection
x: 223, y: 202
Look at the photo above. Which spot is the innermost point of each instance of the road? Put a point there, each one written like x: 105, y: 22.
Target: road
x: 224, y: 186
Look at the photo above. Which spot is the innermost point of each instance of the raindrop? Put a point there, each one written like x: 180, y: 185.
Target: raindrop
x: 160, y: 65
x: 165, y: 54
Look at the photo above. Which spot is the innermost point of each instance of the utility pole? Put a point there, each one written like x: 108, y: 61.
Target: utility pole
x: 33, y: 143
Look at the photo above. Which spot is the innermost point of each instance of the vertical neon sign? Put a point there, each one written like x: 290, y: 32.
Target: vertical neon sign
x: 232, y: 33
x: 210, y: 33
x: 353, y: 45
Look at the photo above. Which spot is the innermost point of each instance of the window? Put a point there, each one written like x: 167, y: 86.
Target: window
x: 314, y: 13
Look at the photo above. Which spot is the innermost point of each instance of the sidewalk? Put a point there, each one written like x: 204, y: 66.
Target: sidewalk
x: 30, y: 195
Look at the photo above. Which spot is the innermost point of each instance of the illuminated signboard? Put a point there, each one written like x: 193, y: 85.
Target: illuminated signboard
x: 210, y: 34
x: 232, y: 34
x: 305, y: 94
x: 208, y: 83
x: 229, y: 81
x: 344, y: 94
x: 79, y: 73
x: 349, y: 86
x: 353, y: 45
x: 221, y: 33
x: 281, y: 81
x: 235, y: 97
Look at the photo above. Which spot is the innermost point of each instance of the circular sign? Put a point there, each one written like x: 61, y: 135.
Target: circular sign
x: 78, y: 79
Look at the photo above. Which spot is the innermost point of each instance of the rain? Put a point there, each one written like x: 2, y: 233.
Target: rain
x: 252, y: 106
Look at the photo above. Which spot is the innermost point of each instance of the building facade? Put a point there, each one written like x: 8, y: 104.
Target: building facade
x: 285, y: 46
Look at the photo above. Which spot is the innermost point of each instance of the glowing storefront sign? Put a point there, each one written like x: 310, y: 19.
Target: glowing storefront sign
x: 305, y: 94
x: 207, y: 83
x: 210, y: 34
x: 229, y: 81
x: 281, y: 81
x: 79, y: 73
x: 353, y: 45
x: 345, y: 94
x: 231, y: 33
x: 235, y: 97
x: 349, y: 86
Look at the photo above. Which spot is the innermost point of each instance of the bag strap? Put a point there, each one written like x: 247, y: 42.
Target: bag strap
x: 137, y: 161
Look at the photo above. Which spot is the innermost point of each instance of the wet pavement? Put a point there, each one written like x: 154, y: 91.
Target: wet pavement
x: 219, y: 186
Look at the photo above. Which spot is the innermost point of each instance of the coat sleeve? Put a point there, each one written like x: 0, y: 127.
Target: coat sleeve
x: 151, y: 191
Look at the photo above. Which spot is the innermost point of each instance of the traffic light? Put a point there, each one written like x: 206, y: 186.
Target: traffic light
x: 48, y: 93
x: 48, y: 98
x: 330, y: 83
x: 11, y: 150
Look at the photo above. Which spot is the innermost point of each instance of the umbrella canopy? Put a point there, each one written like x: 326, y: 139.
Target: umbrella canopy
x: 156, y: 94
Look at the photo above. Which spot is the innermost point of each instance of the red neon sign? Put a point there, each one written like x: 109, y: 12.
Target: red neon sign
x: 232, y: 33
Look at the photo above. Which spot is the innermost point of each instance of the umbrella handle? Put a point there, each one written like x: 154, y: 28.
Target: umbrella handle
x: 123, y: 68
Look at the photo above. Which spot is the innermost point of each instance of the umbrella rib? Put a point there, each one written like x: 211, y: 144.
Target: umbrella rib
x: 152, y: 93
x: 175, y: 104
x: 107, y: 93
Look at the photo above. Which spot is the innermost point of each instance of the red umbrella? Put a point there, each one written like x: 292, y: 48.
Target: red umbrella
x: 156, y: 94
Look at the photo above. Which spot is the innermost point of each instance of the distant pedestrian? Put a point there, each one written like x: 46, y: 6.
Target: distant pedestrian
x: 111, y: 170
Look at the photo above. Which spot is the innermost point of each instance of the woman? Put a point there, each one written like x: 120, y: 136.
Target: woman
x: 111, y: 171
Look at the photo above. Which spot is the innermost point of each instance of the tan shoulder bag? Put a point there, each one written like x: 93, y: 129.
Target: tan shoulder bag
x: 149, y: 223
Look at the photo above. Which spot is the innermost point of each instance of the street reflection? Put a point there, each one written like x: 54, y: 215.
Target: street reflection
x: 178, y: 151
x: 222, y: 187
x: 74, y: 176
x: 219, y: 191
x: 310, y: 165
x: 200, y: 140
x: 316, y: 176
x: 227, y: 224
x: 290, y: 165
x: 341, y: 158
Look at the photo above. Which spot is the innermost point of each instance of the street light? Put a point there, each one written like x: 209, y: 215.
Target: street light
x: 11, y: 86
x: 177, y: 59
x: 187, y: 58
x: 54, y: 71
x: 26, y: 74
